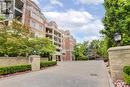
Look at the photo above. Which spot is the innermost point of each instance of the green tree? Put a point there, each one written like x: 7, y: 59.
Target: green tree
x: 80, y: 51
x: 103, y: 47
x: 13, y: 39
x: 93, y: 49
x: 2, y: 18
x: 41, y: 46
x: 16, y: 40
x: 117, y: 19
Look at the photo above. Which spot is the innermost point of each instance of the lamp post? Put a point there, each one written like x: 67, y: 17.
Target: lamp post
x: 117, y: 38
x: 34, y: 51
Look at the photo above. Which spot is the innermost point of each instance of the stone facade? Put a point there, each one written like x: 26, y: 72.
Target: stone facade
x: 35, y: 62
x: 118, y: 57
x: 10, y: 61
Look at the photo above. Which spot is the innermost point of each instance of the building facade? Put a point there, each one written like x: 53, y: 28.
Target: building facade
x: 55, y: 35
x: 34, y: 18
x: 68, y: 46
x: 12, y: 9
x: 28, y: 13
x: 25, y: 11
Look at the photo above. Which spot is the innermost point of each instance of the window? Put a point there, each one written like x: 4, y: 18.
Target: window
x: 40, y: 27
x: 38, y: 35
x: 33, y: 24
x: 33, y: 15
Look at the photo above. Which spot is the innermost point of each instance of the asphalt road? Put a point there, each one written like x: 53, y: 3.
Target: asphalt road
x: 66, y: 74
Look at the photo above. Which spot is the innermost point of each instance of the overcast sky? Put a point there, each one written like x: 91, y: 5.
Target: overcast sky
x: 81, y: 17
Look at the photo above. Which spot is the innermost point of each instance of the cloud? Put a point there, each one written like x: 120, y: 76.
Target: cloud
x: 36, y: 1
x: 52, y: 5
x: 79, y: 40
x: 82, y: 24
x: 95, y: 2
x: 56, y: 2
x: 47, y: 8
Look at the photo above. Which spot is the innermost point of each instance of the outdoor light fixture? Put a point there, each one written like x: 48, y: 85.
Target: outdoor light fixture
x: 117, y: 38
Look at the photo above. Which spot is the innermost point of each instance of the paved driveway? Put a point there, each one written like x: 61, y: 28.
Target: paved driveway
x: 66, y: 74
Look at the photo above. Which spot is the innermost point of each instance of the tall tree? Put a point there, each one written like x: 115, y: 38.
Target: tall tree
x: 103, y: 47
x: 80, y: 51
x: 13, y: 39
x: 41, y: 46
x: 117, y: 19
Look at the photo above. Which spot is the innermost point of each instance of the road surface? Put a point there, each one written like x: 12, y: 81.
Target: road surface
x: 65, y: 74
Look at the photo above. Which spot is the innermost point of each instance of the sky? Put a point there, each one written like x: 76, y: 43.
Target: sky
x: 82, y: 17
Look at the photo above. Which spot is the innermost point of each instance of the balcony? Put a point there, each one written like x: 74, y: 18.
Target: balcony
x: 18, y: 15
x: 6, y: 9
x: 19, y: 5
x: 49, y: 36
x: 36, y: 17
x: 48, y: 32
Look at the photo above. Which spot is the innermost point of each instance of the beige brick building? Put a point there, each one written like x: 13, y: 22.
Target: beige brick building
x: 55, y: 34
x: 28, y: 13
x: 34, y: 18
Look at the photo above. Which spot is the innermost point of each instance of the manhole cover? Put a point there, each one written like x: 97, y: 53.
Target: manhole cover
x: 93, y: 74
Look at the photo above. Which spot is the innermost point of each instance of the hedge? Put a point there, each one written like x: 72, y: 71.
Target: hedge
x: 82, y: 59
x: 21, y: 68
x: 13, y: 69
x: 126, y: 71
x: 47, y: 63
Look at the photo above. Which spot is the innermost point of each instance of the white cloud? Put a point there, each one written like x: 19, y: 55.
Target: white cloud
x: 95, y: 2
x: 56, y: 2
x: 47, y: 8
x: 82, y: 24
x: 79, y: 40
x: 52, y: 5
x: 36, y: 1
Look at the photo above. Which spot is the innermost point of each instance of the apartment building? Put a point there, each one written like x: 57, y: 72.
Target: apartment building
x: 55, y: 35
x: 68, y: 46
x: 11, y: 9
x: 25, y: 11
x: 28, y: 13
x: 34, y: 18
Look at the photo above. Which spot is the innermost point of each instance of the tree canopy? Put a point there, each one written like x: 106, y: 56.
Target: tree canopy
x: 16, y: 40
x: 2, y: 18
x: 117, y: 19
x: 79, y: 51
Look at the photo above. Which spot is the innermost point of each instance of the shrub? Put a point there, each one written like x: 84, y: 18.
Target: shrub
x: 127, y: 79
x: 82, y: 58
x: 13, y: 69
x: 126, y: 71
x: 47, y: 63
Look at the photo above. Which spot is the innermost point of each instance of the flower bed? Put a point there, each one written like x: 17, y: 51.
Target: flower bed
x: 126, y: 82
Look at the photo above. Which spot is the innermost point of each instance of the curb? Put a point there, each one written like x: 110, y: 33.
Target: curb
x: 110, y: 81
